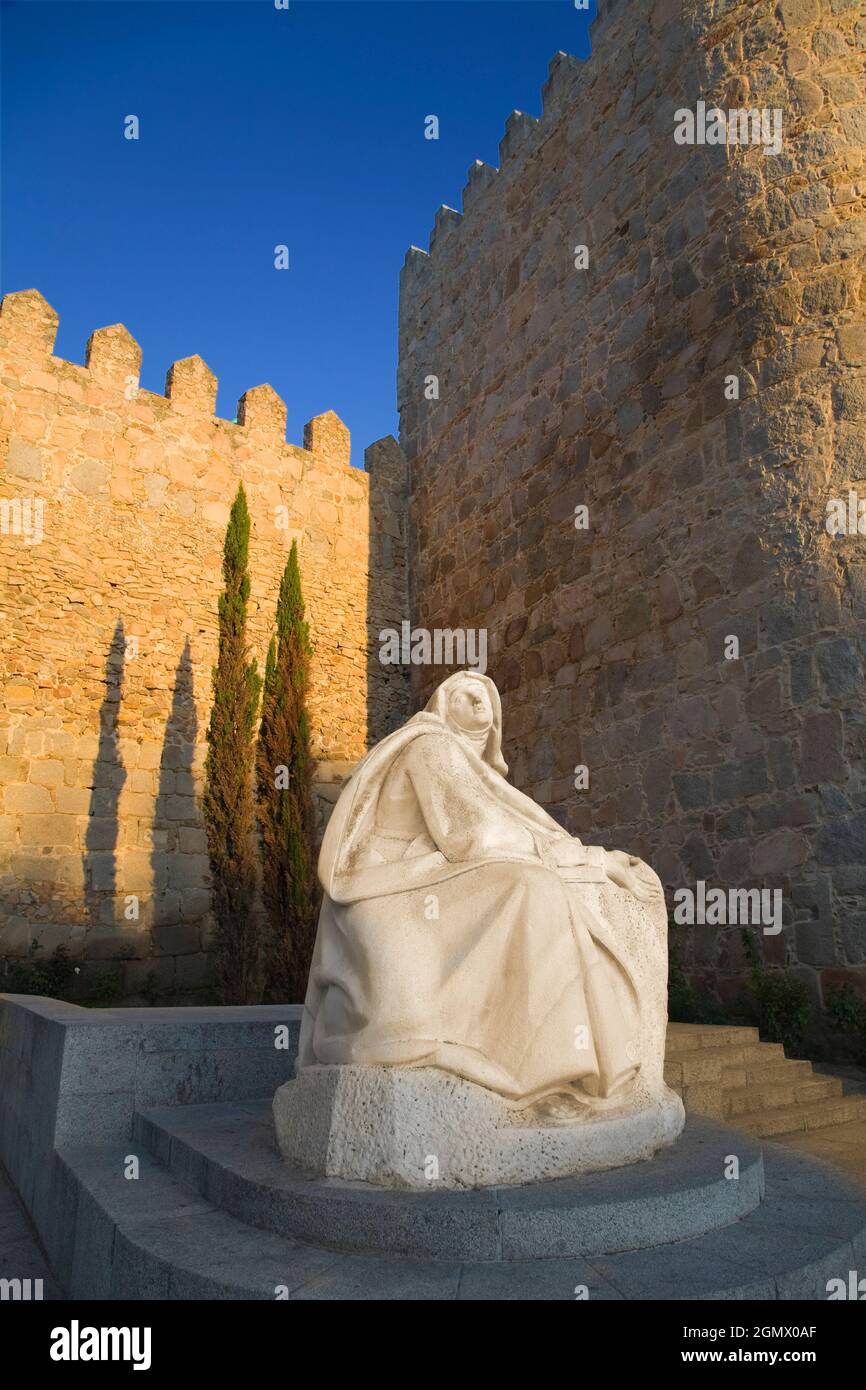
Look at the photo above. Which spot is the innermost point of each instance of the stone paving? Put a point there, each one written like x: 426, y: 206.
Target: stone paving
x: 842, y: 1146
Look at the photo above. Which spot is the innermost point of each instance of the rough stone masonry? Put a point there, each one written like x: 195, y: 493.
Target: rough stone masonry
x: 695, y: 378
x: 113, y: 508
x: 671, y: 336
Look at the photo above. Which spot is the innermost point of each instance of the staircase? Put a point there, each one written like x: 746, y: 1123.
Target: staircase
x: 729, y: 1074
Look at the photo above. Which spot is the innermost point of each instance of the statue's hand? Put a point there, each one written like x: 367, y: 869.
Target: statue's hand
x: 568, y: 853
x: 628, y: 872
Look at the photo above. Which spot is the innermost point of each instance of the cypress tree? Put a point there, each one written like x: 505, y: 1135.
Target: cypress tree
x: 228, y: 798
x: 284, y: 779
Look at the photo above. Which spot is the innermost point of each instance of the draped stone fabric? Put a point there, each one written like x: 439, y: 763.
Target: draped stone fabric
x: 447, y: 935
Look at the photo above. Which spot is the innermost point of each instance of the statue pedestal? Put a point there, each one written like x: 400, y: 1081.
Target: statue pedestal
x: 422, y: 1128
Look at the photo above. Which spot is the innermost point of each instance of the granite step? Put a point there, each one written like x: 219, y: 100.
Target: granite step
x: 150, y: 1239
x: 226, y: 1154
x: 154, y: 1239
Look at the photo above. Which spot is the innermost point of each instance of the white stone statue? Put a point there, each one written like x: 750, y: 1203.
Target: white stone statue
x: 487, y: 998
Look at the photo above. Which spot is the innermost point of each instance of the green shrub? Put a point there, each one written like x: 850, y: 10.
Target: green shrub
x: 54, y: 977
x: 784, y: 1010
x: 105, y: 992
x: 846, y: 1012
x: 685, y: 1003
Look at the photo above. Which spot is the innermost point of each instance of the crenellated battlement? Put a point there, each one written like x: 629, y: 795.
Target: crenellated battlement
x: 520, y: 141
x: 523, y: 133
x: 112, y: 364
x: 519, y: 130
x: 619, y: 31
x: 191, y: 385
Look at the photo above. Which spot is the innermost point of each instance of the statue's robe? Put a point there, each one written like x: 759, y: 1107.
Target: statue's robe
x: 447, y: 938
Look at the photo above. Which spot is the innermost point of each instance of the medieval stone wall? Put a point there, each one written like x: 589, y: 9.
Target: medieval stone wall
x: 530, y: 386
x: 113, y: 508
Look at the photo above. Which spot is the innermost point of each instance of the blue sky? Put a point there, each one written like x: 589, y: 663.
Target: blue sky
x: 258, y: 126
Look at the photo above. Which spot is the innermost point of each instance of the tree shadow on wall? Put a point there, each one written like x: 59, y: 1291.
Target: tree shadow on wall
x: 389, y: 697
x: 109, y: 776
x: 175, y: 810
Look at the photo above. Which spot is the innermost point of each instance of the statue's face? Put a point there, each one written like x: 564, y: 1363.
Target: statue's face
x: 470, y: 708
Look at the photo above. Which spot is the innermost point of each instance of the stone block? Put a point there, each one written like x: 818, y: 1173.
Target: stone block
x: 217, y: 1074
x: 93, y: 1118
x: 187, y: 872
x: 779, y: 852
x: 89, y: 478
x: 73, y: 801
x: 193, y: 971
x: 27, y: 799
x: 176, y: 939
x: 24, y: 459
x: 48, y: 832
x: 192, y: 840
x: 99, y: 1058
x: 47, y: 772
x: 842, y: 841
x: 117, y: 942
x: 388, y: 1125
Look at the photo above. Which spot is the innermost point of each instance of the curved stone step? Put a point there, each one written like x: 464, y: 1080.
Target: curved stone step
x: 810, y: 1228
x: 149, y: 1239
x: 227, y: 1154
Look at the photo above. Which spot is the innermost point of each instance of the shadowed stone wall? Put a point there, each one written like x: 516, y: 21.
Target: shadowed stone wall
x: 113, y: 508
x: 605, y: 387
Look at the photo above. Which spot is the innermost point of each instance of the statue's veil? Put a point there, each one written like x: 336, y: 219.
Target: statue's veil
x: 438, y: 705
x: 340, y: 862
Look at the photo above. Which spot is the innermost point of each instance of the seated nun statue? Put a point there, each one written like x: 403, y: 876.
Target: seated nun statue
x: 463, y: 930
